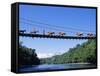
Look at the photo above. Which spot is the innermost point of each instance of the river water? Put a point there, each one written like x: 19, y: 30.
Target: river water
x: 47, y: 67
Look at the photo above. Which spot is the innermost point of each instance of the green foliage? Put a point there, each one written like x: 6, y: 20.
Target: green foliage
x: 84, y: 53
x: 27, y: 56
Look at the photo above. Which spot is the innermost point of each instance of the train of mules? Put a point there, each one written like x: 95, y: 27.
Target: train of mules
x: 78, y: 34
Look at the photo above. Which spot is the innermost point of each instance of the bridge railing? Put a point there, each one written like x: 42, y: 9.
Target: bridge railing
x: 54, y: 36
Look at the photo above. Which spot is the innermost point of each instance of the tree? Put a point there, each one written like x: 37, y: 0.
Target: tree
x: 27, y: 56
x: 84, y: 53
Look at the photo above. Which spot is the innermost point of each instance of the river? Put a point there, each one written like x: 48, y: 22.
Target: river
x: 47, y: 67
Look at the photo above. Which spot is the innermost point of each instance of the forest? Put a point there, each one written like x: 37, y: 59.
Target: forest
x: 27, y: 56
x: 84, y: 53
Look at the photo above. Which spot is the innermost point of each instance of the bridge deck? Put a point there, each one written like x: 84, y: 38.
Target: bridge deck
x: 53, y: 36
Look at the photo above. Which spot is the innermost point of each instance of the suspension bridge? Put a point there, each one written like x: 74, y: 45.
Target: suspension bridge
x: 61, y: 35
x: 53, y: 36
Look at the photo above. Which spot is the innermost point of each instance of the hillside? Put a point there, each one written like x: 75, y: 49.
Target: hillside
x: 84, y: 53
x: 27, y: 56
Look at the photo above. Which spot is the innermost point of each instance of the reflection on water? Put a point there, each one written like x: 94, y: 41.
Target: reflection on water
x: 48, y: 67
